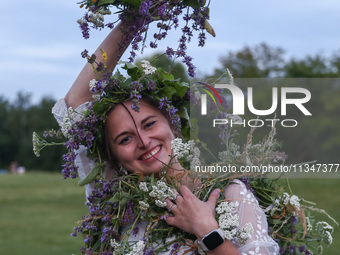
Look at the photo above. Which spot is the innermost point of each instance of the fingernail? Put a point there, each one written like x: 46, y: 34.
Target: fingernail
x: 217, y: 191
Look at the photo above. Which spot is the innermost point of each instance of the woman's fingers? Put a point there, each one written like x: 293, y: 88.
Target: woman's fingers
x: 213, y: 197
x: 187, y: 211
x: 170, y: 206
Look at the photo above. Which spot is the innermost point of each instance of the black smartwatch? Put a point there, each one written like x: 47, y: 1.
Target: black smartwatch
x: 212, y: 240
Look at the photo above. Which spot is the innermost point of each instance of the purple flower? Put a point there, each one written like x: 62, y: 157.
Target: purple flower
x: 84, y: 27
x: 302, y: 248
x: 174, y: 249
x: 294, y: 220
x: 88, y: 239
x: 170, y: 52
x: 153, y: 45
x: 163, y: 102
x: 84, y: 54
x: 282, y: 250
x: 150, y: 252
x: 151, y: 85
x: 293, y: 230
x: 135, y: 231
x: 171, y: 110
x: 164, y: 217
x: 144, y: 7
x: 292, y: 248
x: 161, y: 10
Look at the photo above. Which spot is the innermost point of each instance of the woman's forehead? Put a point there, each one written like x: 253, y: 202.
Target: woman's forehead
x: 121, y: 116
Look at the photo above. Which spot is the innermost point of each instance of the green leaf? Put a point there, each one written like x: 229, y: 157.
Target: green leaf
x: 164, y: 75
x: 181, y: 90
x: 93, y: 174
x: 192, y: 3
x: 115, y: 198
x: 168, y: 76
x: 118, y: 76
x: 96, y: 246
x: 124, y: 198
x: 168, y: 92
x: 105, y: 2
x: 127, y: 65
x: 184, y: 114
x: 135, y: 3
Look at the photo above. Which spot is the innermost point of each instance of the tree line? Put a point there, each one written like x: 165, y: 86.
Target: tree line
x: 315, y: 138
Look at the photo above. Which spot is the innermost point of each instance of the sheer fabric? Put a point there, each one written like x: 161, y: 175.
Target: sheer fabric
x: 248, y: 208
x: 249, y: 211
x: 84, y: 164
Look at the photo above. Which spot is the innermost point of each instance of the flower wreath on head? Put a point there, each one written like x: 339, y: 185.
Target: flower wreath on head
x: 170, y: 95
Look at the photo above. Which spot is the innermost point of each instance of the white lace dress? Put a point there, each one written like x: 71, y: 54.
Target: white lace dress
x: 248, y: 208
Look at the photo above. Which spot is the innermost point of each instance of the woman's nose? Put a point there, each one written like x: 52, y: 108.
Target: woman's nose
x: 143, y: 140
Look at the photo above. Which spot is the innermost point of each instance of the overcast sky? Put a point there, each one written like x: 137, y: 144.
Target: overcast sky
x: 40, y: 42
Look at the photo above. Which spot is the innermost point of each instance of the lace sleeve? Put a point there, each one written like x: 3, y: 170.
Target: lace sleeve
x: 84, y: 164
x: 249, y: 211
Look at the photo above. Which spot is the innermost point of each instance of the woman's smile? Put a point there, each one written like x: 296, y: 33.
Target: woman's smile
x: 151, y: 154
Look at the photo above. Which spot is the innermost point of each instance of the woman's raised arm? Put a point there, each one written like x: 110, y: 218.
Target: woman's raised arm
x: 114, y: 45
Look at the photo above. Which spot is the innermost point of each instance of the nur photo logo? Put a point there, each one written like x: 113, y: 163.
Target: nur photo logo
x: 281, y: 97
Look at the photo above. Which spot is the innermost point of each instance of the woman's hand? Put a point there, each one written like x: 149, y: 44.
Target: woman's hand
x: 193, y: 215
x: 197, y: 217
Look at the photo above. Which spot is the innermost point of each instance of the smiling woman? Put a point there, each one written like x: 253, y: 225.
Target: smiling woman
x: 120, y: 134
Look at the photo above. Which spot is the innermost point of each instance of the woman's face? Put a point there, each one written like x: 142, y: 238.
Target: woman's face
x: 147, y: 152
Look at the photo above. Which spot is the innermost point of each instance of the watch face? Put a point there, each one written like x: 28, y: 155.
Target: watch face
x: 213, y: 240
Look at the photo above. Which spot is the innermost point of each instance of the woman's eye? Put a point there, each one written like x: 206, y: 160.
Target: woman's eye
x: 150, y: 124
x: 125, y: 140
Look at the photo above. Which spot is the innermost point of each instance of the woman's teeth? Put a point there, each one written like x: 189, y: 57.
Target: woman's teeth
x: 153, y: 152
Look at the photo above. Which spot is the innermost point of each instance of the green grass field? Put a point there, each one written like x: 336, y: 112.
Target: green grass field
x: 39, y: 210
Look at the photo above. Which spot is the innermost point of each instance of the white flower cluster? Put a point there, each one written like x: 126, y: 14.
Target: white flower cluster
x: 137, y: 248
x: 115, y: 245
x: 326, y: 231
x: 188, y: 150
x: 147, y: 67
x: 181, y: 149
x: 67, y: 122
x: 161, y: 191
x: 292, y: 200
x: 228, y: 220
x: 234, y: 118
x: 232, y: 153
x: 309, y: 225
x: 92, y: 85
x: 245, y: 233
x: 143, y: 205
x: 143, y: 187
x: 38, y: 144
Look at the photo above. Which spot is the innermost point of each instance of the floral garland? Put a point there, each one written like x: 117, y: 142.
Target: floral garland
x: 118, y: 208
x: 140, y: 14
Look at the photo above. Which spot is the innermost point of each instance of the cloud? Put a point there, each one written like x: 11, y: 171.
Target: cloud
x: 45, y: 51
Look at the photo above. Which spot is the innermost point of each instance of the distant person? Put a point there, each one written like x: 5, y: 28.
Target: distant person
x: 13, y: 167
